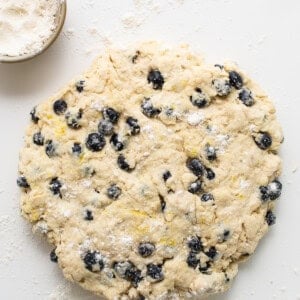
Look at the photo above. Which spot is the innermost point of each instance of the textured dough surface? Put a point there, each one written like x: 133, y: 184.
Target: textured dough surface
x: 96, y: 237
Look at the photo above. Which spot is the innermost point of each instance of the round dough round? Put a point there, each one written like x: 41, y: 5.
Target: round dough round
x: 153, y: 175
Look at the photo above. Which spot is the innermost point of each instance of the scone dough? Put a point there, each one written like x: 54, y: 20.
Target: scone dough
x: 153, y: 174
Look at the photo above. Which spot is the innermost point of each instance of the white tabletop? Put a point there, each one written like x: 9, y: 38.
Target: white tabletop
x: 262, y: 36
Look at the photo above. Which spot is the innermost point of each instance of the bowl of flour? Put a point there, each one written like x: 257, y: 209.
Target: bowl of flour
x: 29, y: 27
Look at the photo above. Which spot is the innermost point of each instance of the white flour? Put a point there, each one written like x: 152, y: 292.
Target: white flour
x: 25, y: 25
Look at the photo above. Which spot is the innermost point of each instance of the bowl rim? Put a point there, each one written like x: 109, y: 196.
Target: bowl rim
x: 62, y: 12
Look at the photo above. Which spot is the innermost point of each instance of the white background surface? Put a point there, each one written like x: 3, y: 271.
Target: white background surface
x: 262, y: 35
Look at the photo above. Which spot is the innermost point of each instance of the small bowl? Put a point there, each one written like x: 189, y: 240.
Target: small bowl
x: 59, y: 20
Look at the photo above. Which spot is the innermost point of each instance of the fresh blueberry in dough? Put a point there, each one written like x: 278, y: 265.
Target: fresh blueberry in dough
x: 34, y: 118
x: 199, y: 99
x: 222, y: 87
x: 207, y: 197
x: 60, y: 106
x: 196, y: 166
x: 270, y: 218
x: 106, y: 127
x: 38, y: 139
x: 263, y: 140
x: 80, y: 86
x: 195, y: 244
x: 148, y: 109
x: 53, y: 256
x: 133, y: 125
x: 246, y: 97
x: 93, y: 261
x: 146, y: 249
x: 155, y: 272
x: 111, y: 114
x: 116, y: 142
x: 155, y: 77
x: 192, y: 260
x: 195, y: 187
x: 235, y: 80
x: 22, y: 182
x: 95, y: 142
x: 113, y: 192
x: 55, y: 186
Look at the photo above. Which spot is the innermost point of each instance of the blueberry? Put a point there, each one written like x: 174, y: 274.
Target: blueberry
x: 140, y: 297
x: 270, y: 218
x: 204, y: 269
x: 38, y: 139
x: 195, y: 187
x: 50, y: 148
x: 95, y: 142
x: 60, y: 106
x: 128, y: 271
x: 210, y: 174
x: 196, y: 166
x: 73, y: 119
x: 198, y: 98
x: 33, y: 115
x: 195, y: 244
x: 76, y: 149
x: 225, y: 236
x: 155, y: 272
x: 80, y: 85
x: 162, y: 203
x: 245, y: 96
x: 274, y: 189
x: 192, y: 260
x: 207, y: 197
x: 93, y: 261
x: 148, y: 109
x: 53, y: 256
x: 136, y: 56
x: 105, y: 127
x: 264, y: 193
x: 133, y: 125
x: 122, y: 163
x: 146, y: 249
x: 166, y: 175
x: 156, y: 78
x: 88, y: 215
x: 116, y: 142
x: 263, y: 140
x: 113, y: 192
x: 270, y: 192
x: 55, y: 186
x: 211, y: 153
x: 235, y: 80
x: 222, y: 87
x: 111, y: 115
x: 221, y: 67
x: 212, y: 252
x: 22, y: 182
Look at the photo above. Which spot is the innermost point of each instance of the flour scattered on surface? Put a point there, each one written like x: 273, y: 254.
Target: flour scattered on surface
x: 26, y: 25
x: 195, y: 118
x: 244, y: 184
x: 61, y: 292
x: 130, y: 20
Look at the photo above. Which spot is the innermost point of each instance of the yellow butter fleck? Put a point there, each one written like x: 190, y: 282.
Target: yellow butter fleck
x: 138, y: 213
x: 142, y: 230
x: 60, y: 130
x: 241, y: 196
x: 166, y: 241
x: 49, y: 117
x: 34, y: 216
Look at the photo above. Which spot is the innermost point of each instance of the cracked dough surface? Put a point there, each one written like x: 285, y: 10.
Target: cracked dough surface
x: 97, y: 238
